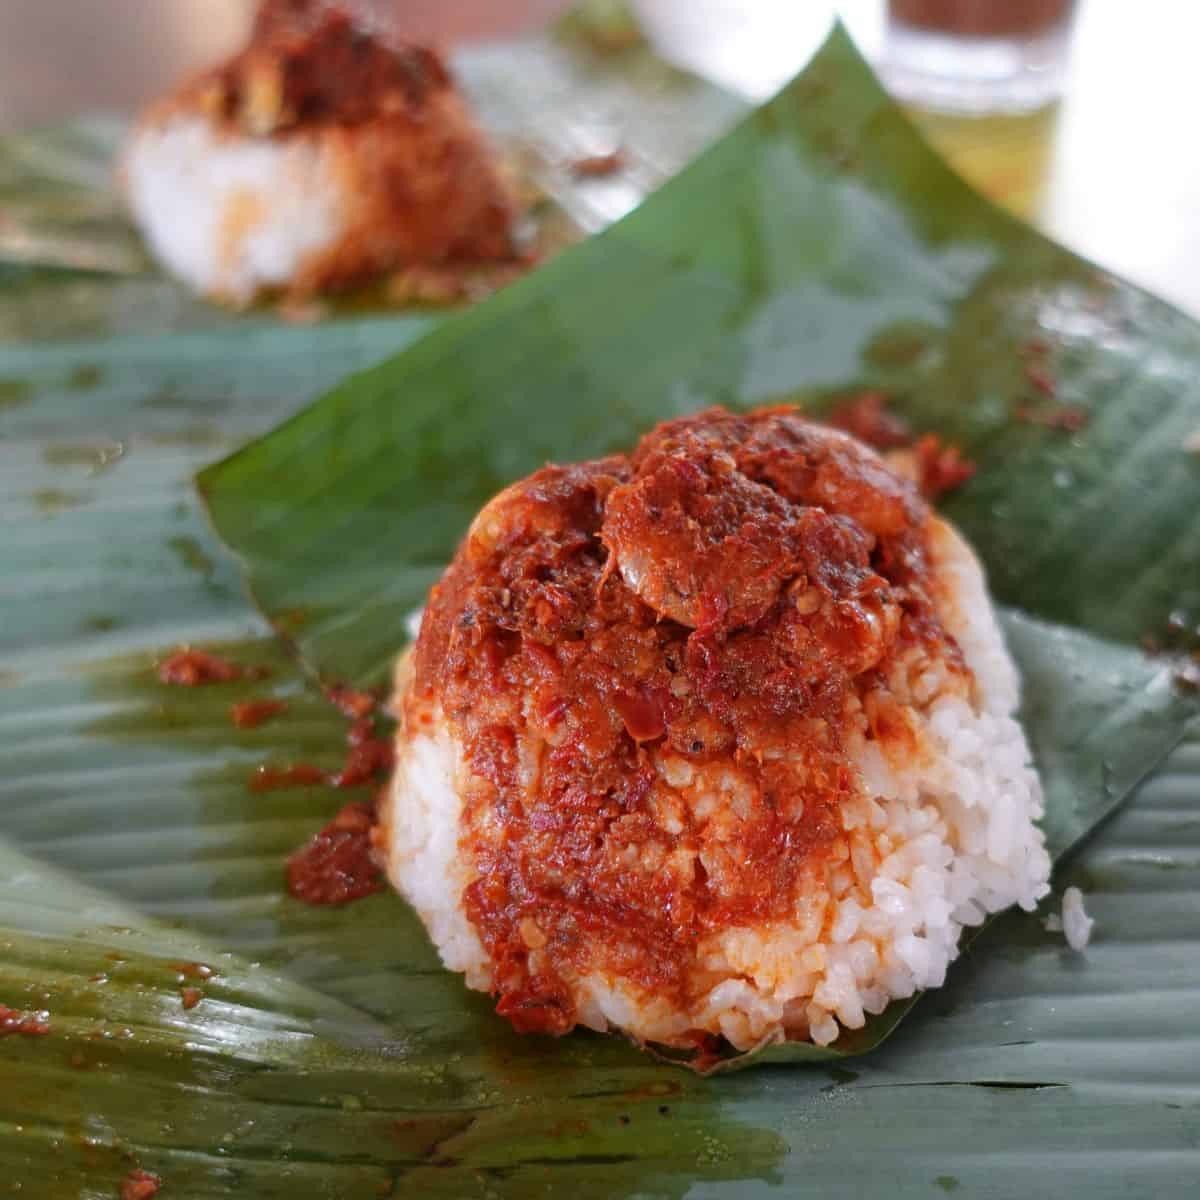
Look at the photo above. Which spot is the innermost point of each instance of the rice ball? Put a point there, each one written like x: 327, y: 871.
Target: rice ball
x: 318, y: 158
x: 712, y: 740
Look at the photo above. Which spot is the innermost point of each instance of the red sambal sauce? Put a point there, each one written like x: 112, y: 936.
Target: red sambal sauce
x: 188, y: 667
x: 140, y: 1185
x: 338, y: 864
x: 867, y: 416
x: 368, y: 756
x: 308, y: 63
x: 25, y: 1024
x: 777, y: 565
x: 250, y: 714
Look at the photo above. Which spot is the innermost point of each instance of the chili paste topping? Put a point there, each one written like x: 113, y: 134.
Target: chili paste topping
x: 647, y: 661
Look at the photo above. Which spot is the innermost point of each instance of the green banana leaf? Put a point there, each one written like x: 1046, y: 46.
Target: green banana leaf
x: 329, y: 1055
x: 72, y: 265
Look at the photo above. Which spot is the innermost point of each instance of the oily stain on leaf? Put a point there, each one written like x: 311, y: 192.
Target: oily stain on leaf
x: 51, y: 501
x: 341, y: 1119
x: 86, y: 376
x: 305, y: 1103
x: 96, y: 457
x: 192, y: 554
x: 14, y: 392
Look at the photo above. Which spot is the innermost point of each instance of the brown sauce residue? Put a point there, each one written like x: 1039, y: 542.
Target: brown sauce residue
x: 194, y: 668
x: 867, y: 417
x: 338, y: 865
x: 140, y: 1185
x: 936, y: 466
x: 598, y: 166
x: 1179, y: 640
x: 368, y: 757
x: 250, y: 714
x: 1187, y: 675
x: 1043, y: 409
x: 1067, y: 417
x: 1040, y: 379
x: 354, y: 704
x: 24, y: 1024
x: 713, y: 601
x: 193, y: 970
x: 941, y: 467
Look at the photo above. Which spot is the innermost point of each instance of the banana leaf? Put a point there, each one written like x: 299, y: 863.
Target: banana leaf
x: 72, y: 265
x: 328, y: 1054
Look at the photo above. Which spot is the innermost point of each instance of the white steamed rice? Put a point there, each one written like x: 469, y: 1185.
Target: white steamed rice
x: 1073, y: 921
x: 232, y: 216
x: 933, y: 844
